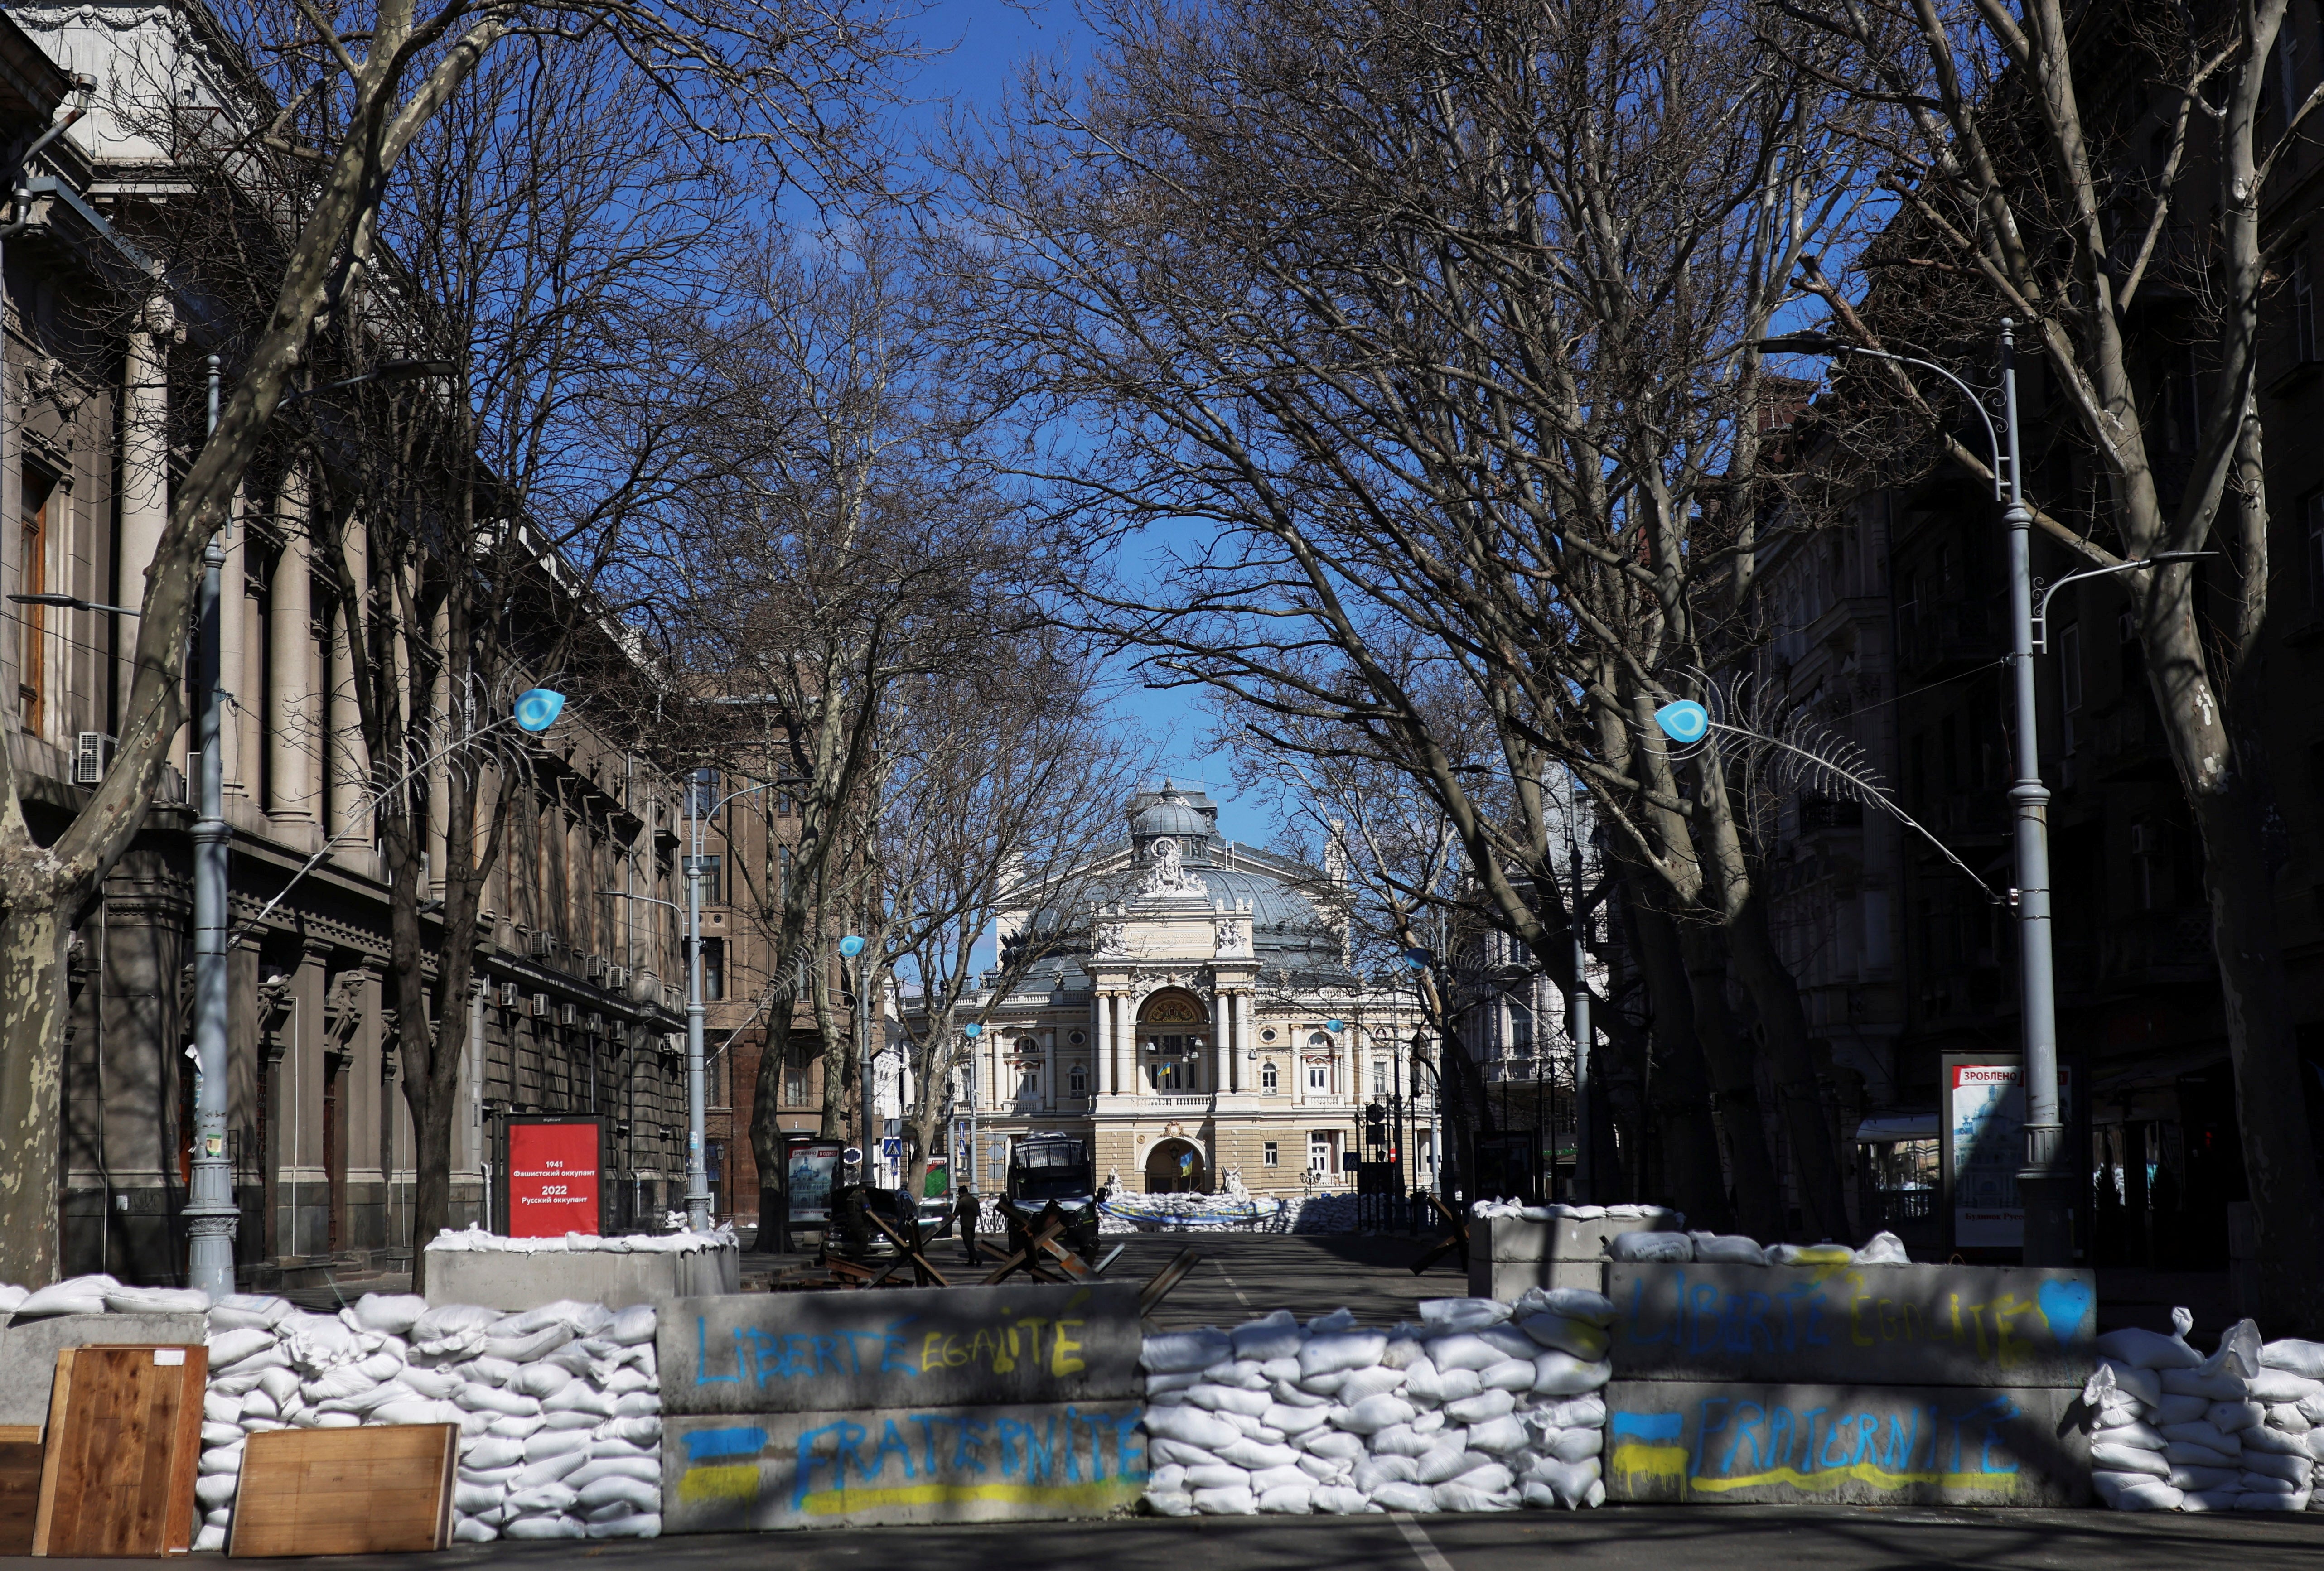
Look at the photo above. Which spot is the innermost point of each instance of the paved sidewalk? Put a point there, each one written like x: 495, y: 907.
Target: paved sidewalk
x: 1617, y: 1539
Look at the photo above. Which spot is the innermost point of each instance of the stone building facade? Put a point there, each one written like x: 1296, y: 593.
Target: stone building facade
x: 580, y: 1014
x: 1211, y: 1022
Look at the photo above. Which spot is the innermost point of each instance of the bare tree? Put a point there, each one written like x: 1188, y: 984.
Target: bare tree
x: 839, y: 541
x: 1004, y: 790
x: 1436, y: 315
x: 2031, y: 182
x: 339, y: 96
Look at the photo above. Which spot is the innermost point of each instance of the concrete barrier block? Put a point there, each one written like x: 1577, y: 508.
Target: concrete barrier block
x: 508, y: 1280
x: 1712, y: 1442
x: 1015, y: 1463
x: 1509, y: 1255
x: 1885, y: 1325
x: 29, y: 1348
x: 915, y: 1349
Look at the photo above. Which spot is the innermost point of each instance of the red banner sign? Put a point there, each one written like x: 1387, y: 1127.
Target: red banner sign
x: 552, y: 1180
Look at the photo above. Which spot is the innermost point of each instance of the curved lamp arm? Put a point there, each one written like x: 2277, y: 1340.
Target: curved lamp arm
x: 2042, y: 612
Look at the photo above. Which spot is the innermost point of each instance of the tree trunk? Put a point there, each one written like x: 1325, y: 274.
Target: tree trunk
x: 1677, y: 1091
x: 32, y: 1090
x: 1758, y: 1195
x: 1815, y: 1157
x: 768, y: 1147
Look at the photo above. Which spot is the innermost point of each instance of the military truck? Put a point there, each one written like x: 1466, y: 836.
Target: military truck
x: 1052, y: 1169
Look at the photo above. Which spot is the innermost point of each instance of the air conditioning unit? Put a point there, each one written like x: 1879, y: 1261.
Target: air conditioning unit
x: 92, y: 755
x: 567, y: 1014
x: 543, y: 945
x: 540, y: 1006
x: 617, y: 979
x: 510, y: 994
x: 596, y: 1023
x: 593, y: 967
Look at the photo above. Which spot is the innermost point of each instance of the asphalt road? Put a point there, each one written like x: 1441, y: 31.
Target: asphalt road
x: 1617, y: 1539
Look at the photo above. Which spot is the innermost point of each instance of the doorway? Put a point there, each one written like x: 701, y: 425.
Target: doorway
x: 1174, y: 1167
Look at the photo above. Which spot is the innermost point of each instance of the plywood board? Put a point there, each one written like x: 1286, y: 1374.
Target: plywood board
x: 380, y: 1489
x: 125, y: 1436
x: 20, y: 1492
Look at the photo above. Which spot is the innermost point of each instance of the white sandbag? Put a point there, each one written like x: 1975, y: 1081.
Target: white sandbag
x: 1230, y: 1399
x: 2211, y: 1388
x: 1400, y: 1440
x: 577, y: 1398
x: 2139, y: 1437
x: 77, y: 1295
x: 514, y: 1426
x: 1572, y: 1412
x: 1287, y: 1394
x: 1292, y: 1422
x: 1341, y: 1501
x: 2202, y: 1432
x: 1335, y: 1445
x: 617, y: 1490
x: 632, y: 1327
x: 230, y: 1347
x: 1510, y: 1374
x: 2231, y: 1417
x: 544, y: 1526
x: 1177, y: 1380
x: 1441, y: 1315
x: 1252, y: 1455
x: 1428, y: 1423
x: 217, y: 1488
x: 1226, y: 1502
x: 579, y: 1315
x: 2201, y: 1480
x: 1363, y: 1382
x: 491, y: 1451
x: 2304, y: 1358
x: 539, y: 1380
x: 1406, y: 1497
x: 1577, y: 1303
x: 1732, y: 1249
x: 2112, y: 1459
x: 1446, y: 1462
x: 1498, y: 1436
x: 1266, y: 1478
x: 1567, y: 1334
x: 645, y: 1525
x: 1334, y: 1352
x: 1170, y: 1352
x: 1402, y: 1349
x: 2152, y: 1349
x: 2179, y: 1409
x: 1193, y: 1425
x: 1882, y: 1249
x: 1559, y: 1374
x: 568, y: 1420
x: 1374, y: 1471
x: 345, y: 1380
x: 489, y: 1399
x: 554, y: 1443
x: 531, y: 1345
x: 550, y: 1470
x: 543, y: 1497
x: 394, y: 1313
x: 220, y: 1455
x: 1462, y: 1495
x: 323, y: 1420
x: 2296, y: 1500
x: 156, y: 1300
x: 2238, y: 1353
x: 1274, y: 1336
x: 1667, y: 1248
x: 1464, y: 1350
x: 1576, y: 1444
x: 1217, y: 1475
x: 2134, y: 1491
x: 451, y: 1319
x: 1246, y: 1373
x: 2135, y: 1381
x: 416, y: 1410
x: 1375, y: 1414
x: 644, y: 1431
x: 1568, y: 1482
x: 2271, y: 1385
x: 2292, y: 1469
x: 1476, y: 1408
x: 387, y: 1394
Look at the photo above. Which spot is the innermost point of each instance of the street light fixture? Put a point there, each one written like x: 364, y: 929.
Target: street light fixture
x: 2044, y: 1190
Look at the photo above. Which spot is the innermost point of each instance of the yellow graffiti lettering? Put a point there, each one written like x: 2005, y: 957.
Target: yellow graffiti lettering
x: 932, y: 1353
x: 1060, y: 1348
x: 730, y: 1483
x: 1856, y: 1320
x: 1098, y: 1496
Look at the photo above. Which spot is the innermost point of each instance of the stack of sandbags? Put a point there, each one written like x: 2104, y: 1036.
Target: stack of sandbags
x: 475, y: 1239
x: 2291, y: 1383
x: 559, y: 1408
x: 1479, y: 1407
x: 95, y: 1295
x: 1729, y: 1249
x: 2172, y: 1431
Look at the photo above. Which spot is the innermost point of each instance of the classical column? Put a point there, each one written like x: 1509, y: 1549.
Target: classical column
x: 144, y: 490
x: 349, y: 760
x: 1220, y: 1037
x: 294, y: 733
x: 1101, y: 1045
x: 1049, y: 1069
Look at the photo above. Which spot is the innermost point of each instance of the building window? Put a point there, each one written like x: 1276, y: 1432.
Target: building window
x: 782, y: 872
x: 712, y: 879
x: 1272, y: 1157
x: 795, y: 1077
x: 1028, y: 1081
x: 1320, y: 1145
x: 1266, y: 1078
x: 32, y: 578
x: 784, y: 806
x: 701, y: 793
x: 714, y: 969
x: 1380, y: 1077
x: 1076, y: 1038
x: 1077, y: 1080
x: 1319, y: 1077
x: 1266, y: 1034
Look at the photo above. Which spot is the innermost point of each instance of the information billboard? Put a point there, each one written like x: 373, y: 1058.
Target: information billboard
x: 555, y: 1173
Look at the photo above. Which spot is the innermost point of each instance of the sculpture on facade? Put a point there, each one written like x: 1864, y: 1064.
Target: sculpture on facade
x: 1108, y: 940
x: 1169, y: 874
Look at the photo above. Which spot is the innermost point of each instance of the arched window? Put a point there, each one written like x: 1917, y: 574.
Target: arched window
x: 1077, y: 1079
x: 1266, y: 1078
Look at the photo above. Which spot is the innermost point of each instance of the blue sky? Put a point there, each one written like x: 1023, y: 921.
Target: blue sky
x: 986, y: 41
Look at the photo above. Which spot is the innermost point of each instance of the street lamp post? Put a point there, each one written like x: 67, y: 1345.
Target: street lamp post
x: 971, y: 1031
x: 851, y: 947
x: 211, y: 1216
x: 2044, y: 1191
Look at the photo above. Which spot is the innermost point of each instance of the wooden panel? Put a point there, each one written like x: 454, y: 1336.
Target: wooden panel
x: 19, y: 1434
x: 20, y: 1491
x: 380, y: 1489
x: 125, y: 1437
